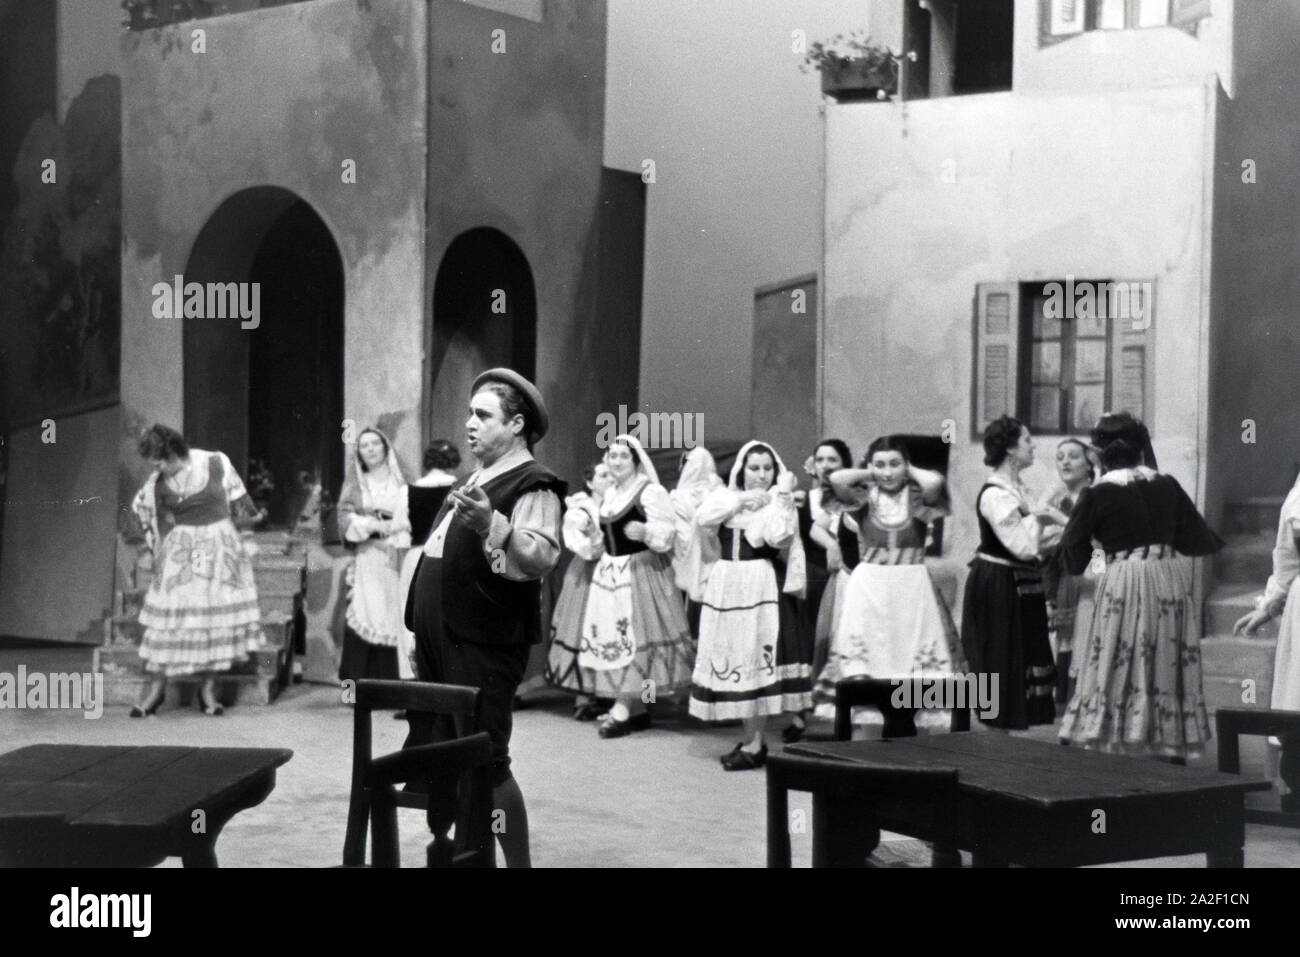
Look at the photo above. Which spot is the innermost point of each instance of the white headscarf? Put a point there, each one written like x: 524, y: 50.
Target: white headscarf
x: 615, y: 500
x: 359, y: 493
x: 795, y: 568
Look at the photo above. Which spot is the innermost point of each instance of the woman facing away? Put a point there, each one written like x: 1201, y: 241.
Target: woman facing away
x: 822, y: 559
x: 751, y: 665
x: 1004, y: 615
x: 1139, y: 688
x: 1069, y: 597
x: 200, y: 614
x: 582, y: 537
x: 373, y: 518
x: 698, y: 477
x: 424, y: 497
x: 636, y: 644
x: 894, y: 622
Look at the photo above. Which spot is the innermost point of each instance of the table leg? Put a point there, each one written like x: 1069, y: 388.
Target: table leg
x: 844, y: 832
x: 203, y: 854
x: 1226, y: 857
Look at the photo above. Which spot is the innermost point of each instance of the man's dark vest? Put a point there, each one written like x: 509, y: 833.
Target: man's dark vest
x: 479, y: 605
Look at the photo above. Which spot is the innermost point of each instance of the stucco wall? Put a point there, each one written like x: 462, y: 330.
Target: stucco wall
x: 59, y: 531
x: 517, y: 145
x: 1045, y: 187
x: 282, y: 97
x: 1256, y: 346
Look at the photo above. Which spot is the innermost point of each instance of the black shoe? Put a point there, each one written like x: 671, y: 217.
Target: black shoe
x: 139, y: 712
x: 793, y: 732
x: 613, y: 728
x: 742, y: 760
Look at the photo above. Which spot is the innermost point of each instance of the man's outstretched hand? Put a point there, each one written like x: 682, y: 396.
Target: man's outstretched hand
x: 473, y: 508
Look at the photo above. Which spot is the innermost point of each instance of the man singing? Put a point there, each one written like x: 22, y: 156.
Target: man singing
x: 474, y: 600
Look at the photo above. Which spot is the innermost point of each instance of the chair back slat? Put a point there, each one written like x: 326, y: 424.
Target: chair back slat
x: 899, y: 722
x: 425, y: 696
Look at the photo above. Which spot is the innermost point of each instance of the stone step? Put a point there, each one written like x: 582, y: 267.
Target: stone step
x: 1227, y: 693
x: 232, y: 689
x: 1238, y: 658
x: 1225, y: 606
x: 1252, y: 515
x: 291, y: 579
x: 278, y: 603
x: 1246, y: 559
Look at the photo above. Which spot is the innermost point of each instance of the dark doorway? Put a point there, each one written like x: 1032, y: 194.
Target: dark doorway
x: 270, y: 397
x: 484, y: 315
x: 985, y: 38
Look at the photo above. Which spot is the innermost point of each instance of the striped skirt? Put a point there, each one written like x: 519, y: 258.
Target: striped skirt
x: 200, y: 613
x: 1139, y: 689
x: 751, y: 661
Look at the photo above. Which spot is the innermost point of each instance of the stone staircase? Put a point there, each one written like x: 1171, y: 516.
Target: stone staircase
x: 1240, y: 571
x: 280, y: 569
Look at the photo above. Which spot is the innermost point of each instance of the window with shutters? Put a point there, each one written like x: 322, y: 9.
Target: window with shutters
x: 1062, y: 19
x: 1057, y: 354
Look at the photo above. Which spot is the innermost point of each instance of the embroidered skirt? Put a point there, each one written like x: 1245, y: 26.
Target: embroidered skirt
x: 635, y: 637
x: 1139, y: 688
x: 751, y: 662
x: 893, y: 624
x: 562, y: 669
x: 200, y: 613
x: 1004, y: 631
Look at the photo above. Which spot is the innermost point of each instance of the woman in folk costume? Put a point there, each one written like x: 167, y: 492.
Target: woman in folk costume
x: 636, y: 643
x: 424, y: 497
x: 1139, y: 689
x: 699, y: 476
x: 1069, y: 597
x: 373, y: 518
x: 200, y: 615
x: 582, y: 536
x: 751, y: 663
x: 894, y: 622
x: 1004, y: 614
x: 817, y: 510
x: 1282, y: 597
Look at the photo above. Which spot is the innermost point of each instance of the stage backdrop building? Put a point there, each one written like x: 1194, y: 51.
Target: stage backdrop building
x: 1079, y: 142
x: 412, y: 189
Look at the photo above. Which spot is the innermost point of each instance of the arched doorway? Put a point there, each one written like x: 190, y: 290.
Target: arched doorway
x: 270, y: 395
x: 484, y: 315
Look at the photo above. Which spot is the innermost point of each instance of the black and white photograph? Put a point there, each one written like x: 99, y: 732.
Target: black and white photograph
x: 644, y: 434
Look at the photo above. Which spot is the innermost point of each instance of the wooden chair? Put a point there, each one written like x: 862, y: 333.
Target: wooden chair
x: 846, y: 799
x: 1230, y: 723
x: 449, y: 779
x: 879, y: 693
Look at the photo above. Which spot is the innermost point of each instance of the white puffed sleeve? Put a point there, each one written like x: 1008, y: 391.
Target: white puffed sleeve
x: 660, y: 518
x: 1020, y: 533
x: 776, y: 523
x: 1286, y: 560
x: 579, y: 532
x: 718, y: 506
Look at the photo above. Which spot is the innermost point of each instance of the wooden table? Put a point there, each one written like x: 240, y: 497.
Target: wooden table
x: 1045, y: 805
x: 82, y: 806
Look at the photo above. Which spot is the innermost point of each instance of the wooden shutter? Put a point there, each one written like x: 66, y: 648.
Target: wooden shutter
x: 1131, y: 353
x: 997, y: 352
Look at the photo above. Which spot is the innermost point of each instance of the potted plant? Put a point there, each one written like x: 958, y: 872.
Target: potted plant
x: 854, y: 67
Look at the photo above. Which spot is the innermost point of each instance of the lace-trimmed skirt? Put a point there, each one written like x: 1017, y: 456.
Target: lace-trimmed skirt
x: 201, y: 612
